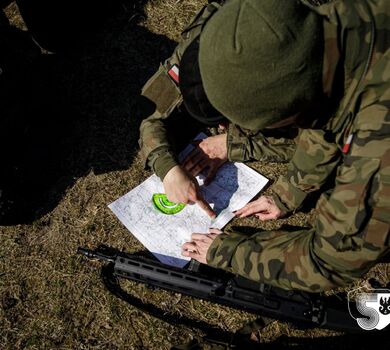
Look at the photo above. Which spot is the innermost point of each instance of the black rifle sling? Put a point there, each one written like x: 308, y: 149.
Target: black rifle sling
x: 215, y: 337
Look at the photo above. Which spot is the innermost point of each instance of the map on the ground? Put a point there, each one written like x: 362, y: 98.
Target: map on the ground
x: 234, y: 186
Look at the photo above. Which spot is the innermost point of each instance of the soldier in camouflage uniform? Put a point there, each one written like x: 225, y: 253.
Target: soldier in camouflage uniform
x: 344, y: 154
x: 162, y: 97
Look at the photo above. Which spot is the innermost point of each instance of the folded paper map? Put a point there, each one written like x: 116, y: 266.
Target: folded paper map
x: 234, y: 186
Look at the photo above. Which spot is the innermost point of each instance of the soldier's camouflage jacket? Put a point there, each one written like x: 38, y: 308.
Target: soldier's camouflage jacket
x: 163, y: 92
x: 351, y: 230
x: 350, y: 154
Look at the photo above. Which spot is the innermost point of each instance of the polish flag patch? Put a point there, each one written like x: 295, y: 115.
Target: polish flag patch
x: 347, y: 144
x: 174, y: 73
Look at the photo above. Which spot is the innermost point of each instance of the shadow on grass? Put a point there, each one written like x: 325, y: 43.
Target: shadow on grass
x: 65, y: 114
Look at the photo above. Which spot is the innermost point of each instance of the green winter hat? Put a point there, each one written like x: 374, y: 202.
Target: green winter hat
x: 261, y: 60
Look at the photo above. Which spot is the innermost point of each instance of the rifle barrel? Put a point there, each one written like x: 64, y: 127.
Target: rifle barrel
x: 93, y: 254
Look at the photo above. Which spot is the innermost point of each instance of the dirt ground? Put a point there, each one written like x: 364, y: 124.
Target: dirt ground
x: 80, y: 107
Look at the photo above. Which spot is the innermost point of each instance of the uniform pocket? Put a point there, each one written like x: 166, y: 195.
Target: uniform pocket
x: 345, y: 212
x: 161, y: 91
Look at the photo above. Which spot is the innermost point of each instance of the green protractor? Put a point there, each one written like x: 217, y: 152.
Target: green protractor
x: 165, y: 206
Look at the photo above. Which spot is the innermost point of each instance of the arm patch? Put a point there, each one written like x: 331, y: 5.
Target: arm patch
x: 162, y: 91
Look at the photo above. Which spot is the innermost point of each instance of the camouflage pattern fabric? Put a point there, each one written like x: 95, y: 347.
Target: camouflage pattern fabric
x: 161, y: 96
x: 245, y: 145
x: 164, y: 94
x: 351, y: 152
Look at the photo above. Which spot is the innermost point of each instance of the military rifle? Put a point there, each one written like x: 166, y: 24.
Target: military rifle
x: 201, y: 281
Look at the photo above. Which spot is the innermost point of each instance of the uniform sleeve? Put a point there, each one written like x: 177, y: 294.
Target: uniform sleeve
x: 160, y: 96
x: 314, y: 160
x: 244, y: 147
x: 351, y: 232
x: 346, y: 241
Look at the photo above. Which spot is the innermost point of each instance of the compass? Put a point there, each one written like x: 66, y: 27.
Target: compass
x: 163, y: 205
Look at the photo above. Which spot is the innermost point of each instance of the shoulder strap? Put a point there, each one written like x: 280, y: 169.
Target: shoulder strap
x: 215, y: 338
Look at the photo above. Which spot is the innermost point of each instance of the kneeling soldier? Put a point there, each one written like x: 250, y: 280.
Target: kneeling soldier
x: 255, y: 65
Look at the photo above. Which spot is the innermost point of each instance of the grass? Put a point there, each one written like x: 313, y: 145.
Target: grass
x: 51, y: 298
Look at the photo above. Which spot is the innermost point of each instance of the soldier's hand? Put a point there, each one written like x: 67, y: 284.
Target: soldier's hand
x: 182, y: 187
x: 264, y: 208
x: 199, y: 245
x: 210, y: 154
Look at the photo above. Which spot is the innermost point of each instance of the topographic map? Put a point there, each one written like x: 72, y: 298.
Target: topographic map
x: 234, y: 186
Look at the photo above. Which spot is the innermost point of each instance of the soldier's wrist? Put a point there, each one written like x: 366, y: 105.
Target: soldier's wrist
x: 235, y: 144
x: 278, y: 202
x: 288, y: 195
x: 163, y: 164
